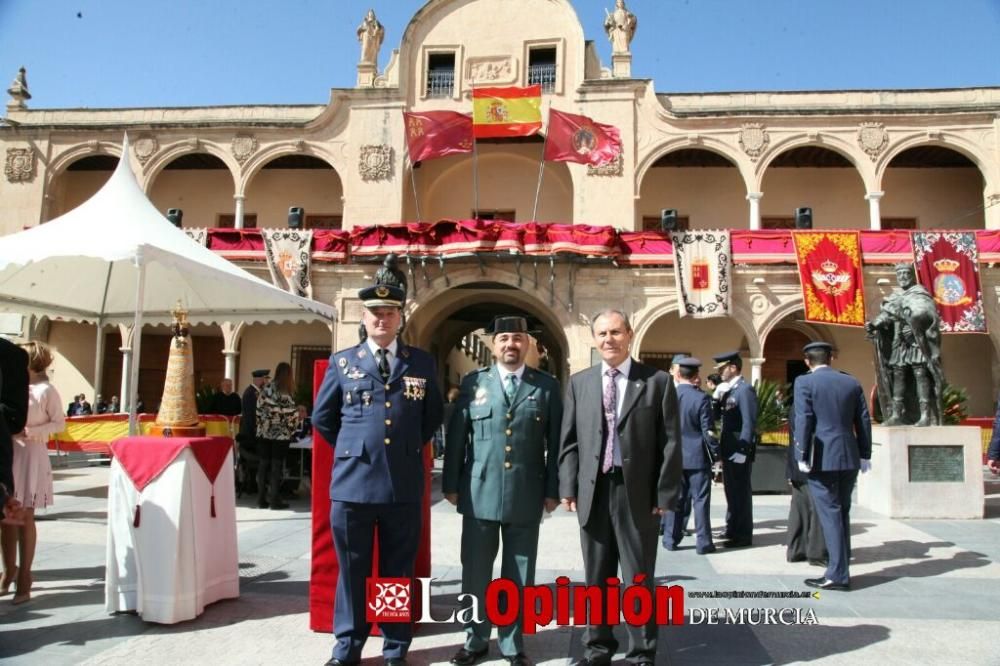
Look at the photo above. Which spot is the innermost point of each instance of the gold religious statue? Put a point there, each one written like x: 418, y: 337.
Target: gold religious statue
x: 178, y: 414
x: 620, y: 26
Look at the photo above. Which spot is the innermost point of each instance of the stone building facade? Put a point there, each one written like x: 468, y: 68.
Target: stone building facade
x: 883, y: 160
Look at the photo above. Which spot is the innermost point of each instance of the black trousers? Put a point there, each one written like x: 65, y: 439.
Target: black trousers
x: 271, y: 468
x: 739, y: 499
x: 610, y: 538
x: 805, y: 533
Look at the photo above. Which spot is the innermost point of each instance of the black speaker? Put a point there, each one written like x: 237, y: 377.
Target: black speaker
x: 175, y: 215
x: 668, y: 219
x: 803, y: 218
x: 296, y: 217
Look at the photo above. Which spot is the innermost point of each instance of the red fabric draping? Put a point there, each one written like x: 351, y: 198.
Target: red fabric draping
x: 325, y: 569
x: 248, y: 244
x: 830, y: 273
x: 947, y: 266
x: 643, y: 248
x: 144, y: 458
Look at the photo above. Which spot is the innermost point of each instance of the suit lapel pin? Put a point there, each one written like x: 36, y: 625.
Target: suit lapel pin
x: 362, y: 353
x: 405, y: 353
x: 342, y: 362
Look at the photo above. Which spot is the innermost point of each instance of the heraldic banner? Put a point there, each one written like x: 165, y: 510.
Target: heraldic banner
x: 289, y: 256
x: 830, y: 273
x: 947, y: 265
x: 703, y: 266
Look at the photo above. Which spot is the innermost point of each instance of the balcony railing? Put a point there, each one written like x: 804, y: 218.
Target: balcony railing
x: 440, y: 83
x: 544, y: 75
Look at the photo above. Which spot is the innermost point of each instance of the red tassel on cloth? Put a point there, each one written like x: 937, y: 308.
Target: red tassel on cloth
x: 213, y: 504
x: 135, y: 521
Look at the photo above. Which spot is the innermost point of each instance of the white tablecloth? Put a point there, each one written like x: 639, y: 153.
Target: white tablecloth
x: 180, y: 558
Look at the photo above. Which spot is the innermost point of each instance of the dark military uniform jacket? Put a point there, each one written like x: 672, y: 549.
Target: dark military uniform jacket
x: 502, y: 458
x: 378, y: 428
x: 739, y: 420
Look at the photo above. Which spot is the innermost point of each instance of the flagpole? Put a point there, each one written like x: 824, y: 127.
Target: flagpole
x: 413, y: 184
x: 541, y: 168
x: 475, y: 157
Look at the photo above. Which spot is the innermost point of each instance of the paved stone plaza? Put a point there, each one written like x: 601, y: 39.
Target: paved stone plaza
x: 924, y: 593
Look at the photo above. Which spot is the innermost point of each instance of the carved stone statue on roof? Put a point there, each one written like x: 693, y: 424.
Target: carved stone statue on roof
x: 370, y: 34
x: 620, y: 26
x: 18, y: 91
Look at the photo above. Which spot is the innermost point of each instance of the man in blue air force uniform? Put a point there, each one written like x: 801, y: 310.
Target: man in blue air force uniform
x: 378, y: 406
x: 698, y: 450
x: 833, y: 439
x: 739, y: 426
x: 501, y: 469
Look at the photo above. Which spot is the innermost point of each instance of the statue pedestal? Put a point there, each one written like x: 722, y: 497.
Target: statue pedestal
x: 621, y: 65
x: 367, y: 71
x: 933, y: 472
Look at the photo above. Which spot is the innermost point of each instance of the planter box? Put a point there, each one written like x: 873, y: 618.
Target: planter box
x: 768, y: 474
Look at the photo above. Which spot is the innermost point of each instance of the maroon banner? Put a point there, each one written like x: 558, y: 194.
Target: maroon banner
x: 948, y: 266
x: 575, y: 138
x: 431, y: 134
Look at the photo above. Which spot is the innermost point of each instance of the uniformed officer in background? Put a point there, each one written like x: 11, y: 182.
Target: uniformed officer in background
x: 833, y: 440
x: 247, y: 437
x: 698, y: 450
x: 501, y: 470
x: 739, y: 426
x: 378, y: 406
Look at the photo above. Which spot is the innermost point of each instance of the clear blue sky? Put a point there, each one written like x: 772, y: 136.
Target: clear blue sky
x: 114, y: 53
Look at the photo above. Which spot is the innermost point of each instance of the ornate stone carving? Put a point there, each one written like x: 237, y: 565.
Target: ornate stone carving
x: 616, y: 167
x: 144, y: 148
x: 243, y: 147
x: 375, y: 162
x: 18, y: 91
x: 758, y: 304
x: 491, y: 69
x: 20, y: 165
x: 873, y: 139
x: 754, y: 139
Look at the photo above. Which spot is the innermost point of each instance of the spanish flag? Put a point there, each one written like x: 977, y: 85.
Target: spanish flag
x: 499, y: 112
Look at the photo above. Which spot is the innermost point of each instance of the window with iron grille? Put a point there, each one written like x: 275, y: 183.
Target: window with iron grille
x: 440, y: 75
x: 542, y: 68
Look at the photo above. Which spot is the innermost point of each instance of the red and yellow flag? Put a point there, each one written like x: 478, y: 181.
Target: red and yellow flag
x: 499, y: 112
x: 830, y: 273
x: 431, y: 134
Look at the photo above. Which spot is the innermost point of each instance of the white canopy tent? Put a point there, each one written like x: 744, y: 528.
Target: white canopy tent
x: 116, y: 259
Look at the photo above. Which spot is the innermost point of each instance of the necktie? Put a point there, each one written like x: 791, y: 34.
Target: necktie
x: 610, y: 418
x: 511, y: 388
x: 383, y: 363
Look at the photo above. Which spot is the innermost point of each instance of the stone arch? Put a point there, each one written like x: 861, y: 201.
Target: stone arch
x: 61, y: 162
x: 949, y: 140
x: 644, y: 320
x: 57, y: 199
x: 848, y: 151
x: 170, y: 153
x: 273, y: 152
x: 708, y: 143
x: 778, y: 314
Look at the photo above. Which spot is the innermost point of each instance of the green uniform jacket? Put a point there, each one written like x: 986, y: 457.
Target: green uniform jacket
x: 502, y: 459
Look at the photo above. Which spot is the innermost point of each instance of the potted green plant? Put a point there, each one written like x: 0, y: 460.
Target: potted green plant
x: 768, y: 475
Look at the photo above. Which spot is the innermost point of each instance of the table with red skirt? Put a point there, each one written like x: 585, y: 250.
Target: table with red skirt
x: 171, y: 547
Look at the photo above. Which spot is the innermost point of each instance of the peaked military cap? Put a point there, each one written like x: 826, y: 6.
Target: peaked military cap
x: 688, y: 362
x: 382, y: 295
x: 261, y: 373
x: 676, y: 360
x: 818, y: 346
x: 722, y: 360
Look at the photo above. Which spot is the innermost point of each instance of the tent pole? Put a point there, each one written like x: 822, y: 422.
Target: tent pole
x: 140, y: 287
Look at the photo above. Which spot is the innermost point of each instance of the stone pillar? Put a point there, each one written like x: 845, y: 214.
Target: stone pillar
x: 874, y: 211
x: 754, y: 199
x: 992, y: 212
x: 99, y: 359
x: 126, y: 350
x: 239, y: 198
x: 231, y: 334
x: 367, y: 71
x: 756, y: 367
x: 621, y: 65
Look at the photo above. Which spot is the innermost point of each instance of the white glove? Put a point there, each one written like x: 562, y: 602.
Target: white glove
x: 804, y: 467
x: 738, y: 458
x: 866, y: 466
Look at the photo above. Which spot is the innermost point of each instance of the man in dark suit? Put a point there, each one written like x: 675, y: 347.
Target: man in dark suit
x: 378, y: 406
x: 226, y: 401
x: 698, y: 450
x: 501, y: 470
x: 620, y: 469
x: 738, y: 406
x: 247, y: 437
x: 833, y: 440
x: 13, y: 415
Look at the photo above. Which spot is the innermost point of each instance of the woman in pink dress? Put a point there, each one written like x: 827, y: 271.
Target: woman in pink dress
x: 32, y: 471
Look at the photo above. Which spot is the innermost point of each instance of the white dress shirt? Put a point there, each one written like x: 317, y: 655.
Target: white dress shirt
x: 392, y: 348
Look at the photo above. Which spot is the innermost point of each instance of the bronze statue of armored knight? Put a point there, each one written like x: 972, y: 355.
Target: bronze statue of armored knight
x: 907, y: 337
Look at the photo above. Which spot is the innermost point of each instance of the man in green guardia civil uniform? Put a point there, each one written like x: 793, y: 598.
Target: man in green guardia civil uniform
x: 501, y: 470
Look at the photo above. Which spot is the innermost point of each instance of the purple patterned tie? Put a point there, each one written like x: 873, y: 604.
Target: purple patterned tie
x: 610, y: 418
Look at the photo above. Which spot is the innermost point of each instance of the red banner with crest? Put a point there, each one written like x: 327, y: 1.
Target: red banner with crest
x: 830, y: 272
x: 947, y: 264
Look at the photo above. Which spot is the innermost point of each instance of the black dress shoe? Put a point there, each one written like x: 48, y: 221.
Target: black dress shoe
x: 262, y: 504
x: 341, y: 662
x: 519, y: 659
x: 798, y: 558
x: 466, y: 657
x: 826, y: 584
x: 277, y: 505
x: 395, y: 661
x: 819, y: 563
x: 706, y: 550
x: 737, y: 543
